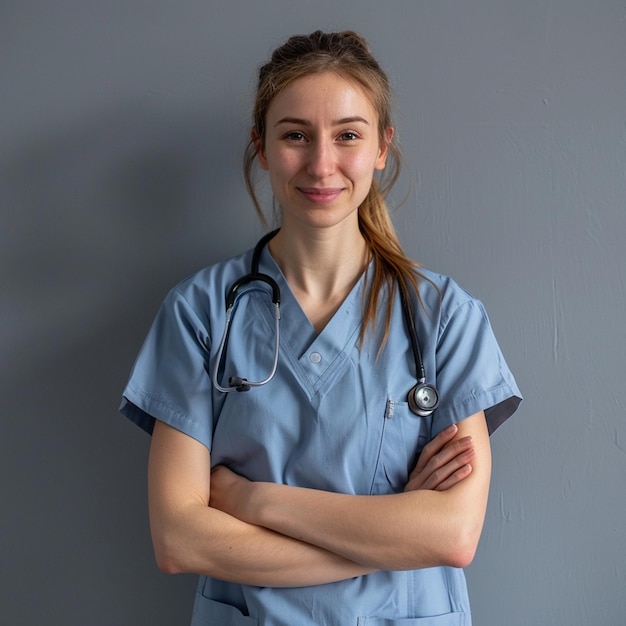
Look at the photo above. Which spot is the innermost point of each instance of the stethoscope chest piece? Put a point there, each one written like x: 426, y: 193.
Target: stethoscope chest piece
x: 423, y: 399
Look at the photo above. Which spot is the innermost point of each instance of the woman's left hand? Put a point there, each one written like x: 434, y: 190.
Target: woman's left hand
x: 443, y: 463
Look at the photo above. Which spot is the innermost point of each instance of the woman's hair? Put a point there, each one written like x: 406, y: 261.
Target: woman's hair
x: 346, y: 54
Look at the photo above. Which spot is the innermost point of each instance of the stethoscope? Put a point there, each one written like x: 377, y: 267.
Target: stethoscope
x: 423, y: 398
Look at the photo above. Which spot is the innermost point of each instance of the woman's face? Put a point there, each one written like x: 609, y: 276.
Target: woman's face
x: 321, y: 150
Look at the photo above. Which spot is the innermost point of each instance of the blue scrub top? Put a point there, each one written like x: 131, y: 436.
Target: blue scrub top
x: 335, y: 417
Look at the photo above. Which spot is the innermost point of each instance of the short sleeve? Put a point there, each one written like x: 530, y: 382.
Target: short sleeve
x: 170, y: 380
x: 472, y: 374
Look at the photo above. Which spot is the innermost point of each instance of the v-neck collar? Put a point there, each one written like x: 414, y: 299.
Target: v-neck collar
x: 317, y: 356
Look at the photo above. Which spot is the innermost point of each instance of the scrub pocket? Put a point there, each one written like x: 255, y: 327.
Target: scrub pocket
x: 403, y: 435
x: 207, y: 611
x: 449, y: 619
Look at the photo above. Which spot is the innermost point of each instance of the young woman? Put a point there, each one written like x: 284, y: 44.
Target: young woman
x: 320, y: 409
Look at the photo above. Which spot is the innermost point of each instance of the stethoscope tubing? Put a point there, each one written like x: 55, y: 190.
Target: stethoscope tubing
x: 243, y: 384
x: 423, y: 398
x: 237, y: 383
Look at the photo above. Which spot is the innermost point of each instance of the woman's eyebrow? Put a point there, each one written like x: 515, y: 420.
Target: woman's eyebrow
x: 303, y: 122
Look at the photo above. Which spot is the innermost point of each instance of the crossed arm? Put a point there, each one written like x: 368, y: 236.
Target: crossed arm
x: 224, y: 526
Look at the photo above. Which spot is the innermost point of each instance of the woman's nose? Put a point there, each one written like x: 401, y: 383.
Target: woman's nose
x: 321, y: 159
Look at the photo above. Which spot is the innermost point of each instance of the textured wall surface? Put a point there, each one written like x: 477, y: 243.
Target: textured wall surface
x: 121, y: 135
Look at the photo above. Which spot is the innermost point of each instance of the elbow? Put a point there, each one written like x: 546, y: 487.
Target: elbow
x: 167, y: 556
x: 175, y: 543
x: 167, y: 564
x: 460, y: 557
x: 453, y: 548
x: 461, y: 550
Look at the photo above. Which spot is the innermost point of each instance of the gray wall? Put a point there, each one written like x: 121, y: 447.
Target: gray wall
x: 121, y: 132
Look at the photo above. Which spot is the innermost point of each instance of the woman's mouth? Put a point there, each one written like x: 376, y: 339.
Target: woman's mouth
x: 326, y: 195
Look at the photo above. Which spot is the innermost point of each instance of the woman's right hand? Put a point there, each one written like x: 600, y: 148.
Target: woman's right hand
x: 443, y: 462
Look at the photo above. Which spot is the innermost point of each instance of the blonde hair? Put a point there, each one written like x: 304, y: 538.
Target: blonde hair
x: 347, y: 54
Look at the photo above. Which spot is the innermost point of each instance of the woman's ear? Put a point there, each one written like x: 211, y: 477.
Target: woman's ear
x: 381, y: 160
x: 257, y: 142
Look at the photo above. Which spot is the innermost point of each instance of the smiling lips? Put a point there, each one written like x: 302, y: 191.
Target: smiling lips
x: 321, y: 196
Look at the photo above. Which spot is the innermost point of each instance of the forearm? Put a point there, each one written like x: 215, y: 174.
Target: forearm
x: 415, y: 529
x: 396, y: 532
x: 190, y: 536
x: 206, y: 541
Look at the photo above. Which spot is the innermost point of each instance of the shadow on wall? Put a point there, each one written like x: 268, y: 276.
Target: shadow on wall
x: 103, y: 219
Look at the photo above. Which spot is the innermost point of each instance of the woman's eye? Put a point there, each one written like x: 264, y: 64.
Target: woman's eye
x: 348, y: 136
x: 295, y: 136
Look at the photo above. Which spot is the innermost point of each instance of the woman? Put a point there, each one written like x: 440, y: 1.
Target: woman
x: 326, y: 503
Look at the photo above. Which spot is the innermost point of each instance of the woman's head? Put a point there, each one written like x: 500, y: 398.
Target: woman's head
x: 346, y: 54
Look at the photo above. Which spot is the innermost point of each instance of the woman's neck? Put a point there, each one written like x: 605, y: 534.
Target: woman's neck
x: 321, y: 267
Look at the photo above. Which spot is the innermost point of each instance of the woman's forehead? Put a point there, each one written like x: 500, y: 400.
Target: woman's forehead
x: 327, y: 95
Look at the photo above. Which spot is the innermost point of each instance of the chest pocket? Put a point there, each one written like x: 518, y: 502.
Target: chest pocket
x: 403, y: 435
